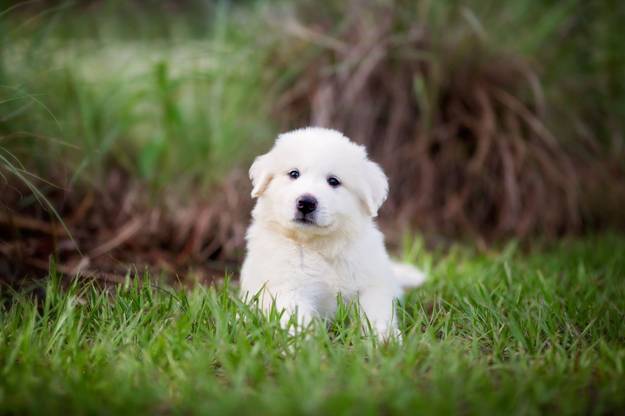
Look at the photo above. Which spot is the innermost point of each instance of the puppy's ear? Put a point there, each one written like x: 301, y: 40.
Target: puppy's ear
x: 260, y: 174
x: 375, y: 187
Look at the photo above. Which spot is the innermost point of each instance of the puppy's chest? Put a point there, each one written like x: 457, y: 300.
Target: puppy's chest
x: 337, y: 274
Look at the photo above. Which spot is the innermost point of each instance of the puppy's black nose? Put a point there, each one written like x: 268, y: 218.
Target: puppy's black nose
x: 306, y: 204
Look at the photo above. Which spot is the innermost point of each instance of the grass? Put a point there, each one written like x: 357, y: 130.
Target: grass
x: 505, y: 333
x: 174, y: 99
x: 182, y: 97
x: 183, y: 94
x: 82, y: 91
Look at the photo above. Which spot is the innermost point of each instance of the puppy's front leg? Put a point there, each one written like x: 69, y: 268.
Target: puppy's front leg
x: 378, y: 306
x: 292, y: 304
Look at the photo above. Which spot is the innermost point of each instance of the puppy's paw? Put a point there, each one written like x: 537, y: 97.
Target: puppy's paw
x: 384, y: 333
x: 390, y: 334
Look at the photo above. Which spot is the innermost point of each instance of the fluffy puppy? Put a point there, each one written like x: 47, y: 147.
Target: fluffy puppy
x: 313, y: 234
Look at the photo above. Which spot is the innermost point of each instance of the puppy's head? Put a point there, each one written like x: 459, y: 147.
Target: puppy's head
x: 315, y: 181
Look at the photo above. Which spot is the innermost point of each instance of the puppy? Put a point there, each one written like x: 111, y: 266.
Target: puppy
x: 313, y: 234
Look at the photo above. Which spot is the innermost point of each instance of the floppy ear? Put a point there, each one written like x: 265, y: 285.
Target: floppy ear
x: 260, y: 175
x: 375, y: 187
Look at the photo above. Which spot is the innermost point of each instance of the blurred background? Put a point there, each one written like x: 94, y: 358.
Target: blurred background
x: 127, y: 127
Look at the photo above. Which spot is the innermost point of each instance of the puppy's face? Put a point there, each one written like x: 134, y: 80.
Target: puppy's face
x: 315, y: 181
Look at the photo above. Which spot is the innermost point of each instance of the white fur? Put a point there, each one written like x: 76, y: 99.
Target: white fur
x: 303, y: 267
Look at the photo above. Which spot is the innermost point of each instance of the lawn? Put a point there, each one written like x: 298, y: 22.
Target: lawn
x: 507, y: 333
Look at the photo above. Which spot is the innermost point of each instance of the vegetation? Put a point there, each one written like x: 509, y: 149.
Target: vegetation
x: 480, y: 100
x: 125, y: 132
x: 85, y: 91
x: 161, y: 90
x: 476, y: 119
x: 504, y: 334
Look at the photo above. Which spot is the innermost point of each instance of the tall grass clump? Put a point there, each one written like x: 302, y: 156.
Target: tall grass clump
x: 472, y: 109
x: 88, y: 88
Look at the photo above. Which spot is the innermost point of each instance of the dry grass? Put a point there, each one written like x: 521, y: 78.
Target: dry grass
x: 461, y: 128
x: 121, y: 228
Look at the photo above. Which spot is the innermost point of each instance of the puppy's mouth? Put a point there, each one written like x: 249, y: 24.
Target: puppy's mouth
x: 308, y: 220
x: 305, y: 220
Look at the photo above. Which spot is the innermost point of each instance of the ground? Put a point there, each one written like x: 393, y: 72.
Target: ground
x: 507, y: 333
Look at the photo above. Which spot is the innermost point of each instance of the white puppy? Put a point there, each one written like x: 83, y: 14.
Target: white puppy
x: 313, y: 235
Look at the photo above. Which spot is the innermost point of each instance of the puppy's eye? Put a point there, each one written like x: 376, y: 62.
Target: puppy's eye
x: 294, y: 174
x: 333, y: 181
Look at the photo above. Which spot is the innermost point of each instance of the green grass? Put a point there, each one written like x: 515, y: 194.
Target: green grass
x: 82, y: 91
x: 501, y: 333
